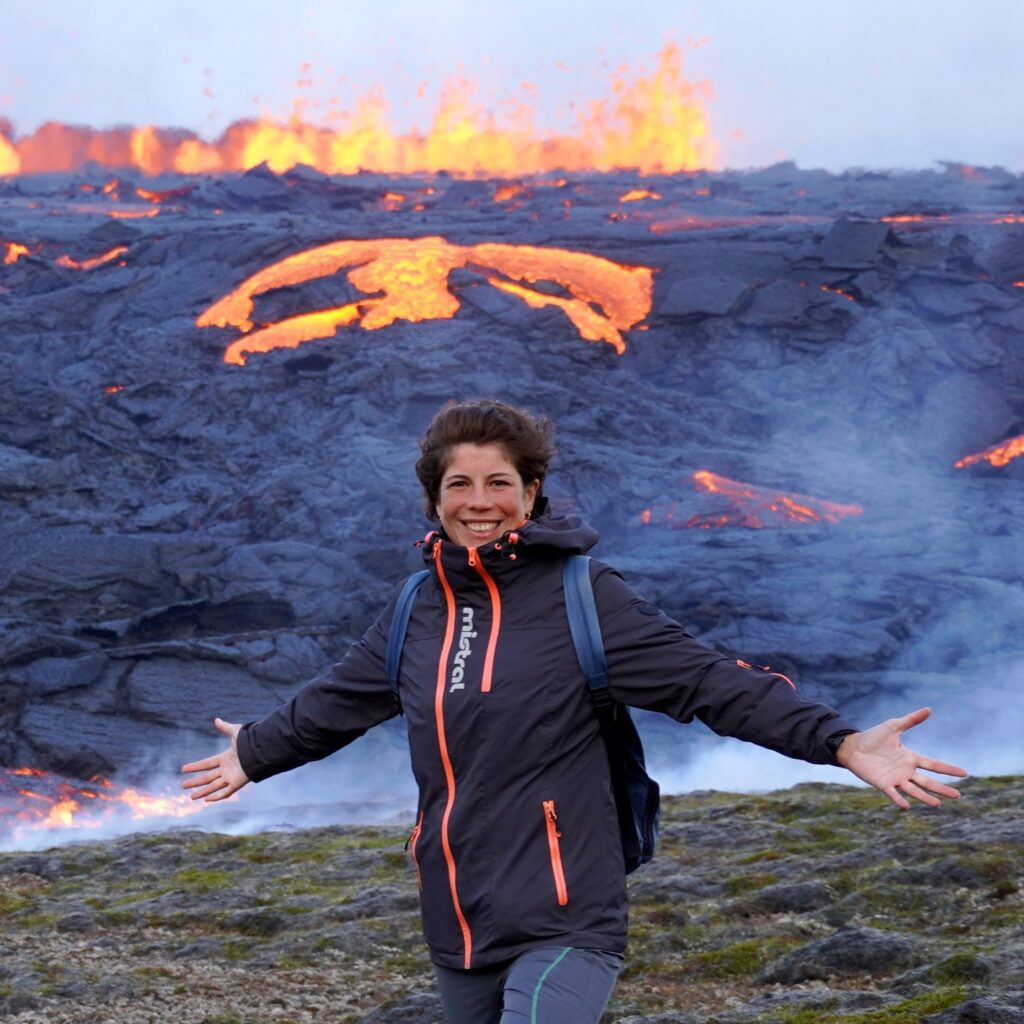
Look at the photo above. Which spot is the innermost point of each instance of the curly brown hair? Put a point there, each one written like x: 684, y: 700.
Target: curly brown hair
x: 525, y: 438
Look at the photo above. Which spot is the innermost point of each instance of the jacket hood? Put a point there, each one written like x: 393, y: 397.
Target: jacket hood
x: 546, y: 537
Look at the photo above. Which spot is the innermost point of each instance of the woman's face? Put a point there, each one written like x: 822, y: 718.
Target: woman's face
x: 482, y: 495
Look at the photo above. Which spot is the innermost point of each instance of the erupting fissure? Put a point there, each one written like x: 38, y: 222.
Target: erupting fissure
x: 654, y: 122
x: 407, y: 279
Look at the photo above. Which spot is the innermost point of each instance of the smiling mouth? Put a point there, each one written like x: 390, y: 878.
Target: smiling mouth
x: 482, y: 528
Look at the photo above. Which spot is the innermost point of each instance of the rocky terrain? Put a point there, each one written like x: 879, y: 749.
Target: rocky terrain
x: 187, y: 537
x: 819, y: 904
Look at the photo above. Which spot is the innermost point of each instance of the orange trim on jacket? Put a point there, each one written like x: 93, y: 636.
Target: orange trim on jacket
x: 492, y: 640
x: 449, y: 773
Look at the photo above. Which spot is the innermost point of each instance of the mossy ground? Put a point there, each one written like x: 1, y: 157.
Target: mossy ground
x: 278, y: 927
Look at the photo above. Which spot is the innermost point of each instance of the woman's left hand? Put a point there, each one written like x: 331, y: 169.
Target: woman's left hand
x: 879, y: 758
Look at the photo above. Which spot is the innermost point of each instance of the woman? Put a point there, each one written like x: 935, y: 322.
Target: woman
x: 517, y: 842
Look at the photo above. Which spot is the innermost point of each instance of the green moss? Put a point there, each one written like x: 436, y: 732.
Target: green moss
x: 40, y: 920
x: 12, y: 904
x: 910, y: 1011
x: 743, y: 959
x: 202, y: 879
x: 959, y: 969
x: 748, y: 883
x: 760, y: 856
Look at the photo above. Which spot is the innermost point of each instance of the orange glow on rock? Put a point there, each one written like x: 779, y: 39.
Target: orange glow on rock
x: 654, y: 121
x: 162, y: 197
x: 97, y: 261
x: 635, y: 194
x: 998, y: 455
x: 407, y: 279
x: 836, y: 290
x: 913, y: 218
x: 133, y: 214
x: 747, y: 505
x: 15, y: 250
x: 505, y: 193
x: 757, y: 507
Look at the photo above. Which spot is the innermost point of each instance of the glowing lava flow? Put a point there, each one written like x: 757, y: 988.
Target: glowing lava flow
x: 35, y: 800
x: 15, y: 250
x: 753, y: 507
x: 636, y: 194
x: 998, y: 455
x: 406, y: 279
x: 70, y: 263
x: 654, y: 122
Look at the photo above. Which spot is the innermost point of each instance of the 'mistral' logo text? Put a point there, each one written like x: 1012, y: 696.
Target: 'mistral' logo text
x: 465, y: 650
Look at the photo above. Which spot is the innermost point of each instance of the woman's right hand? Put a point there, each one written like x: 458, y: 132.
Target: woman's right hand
x: 223, y: 773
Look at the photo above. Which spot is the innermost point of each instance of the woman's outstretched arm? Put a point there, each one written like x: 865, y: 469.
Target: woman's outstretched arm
x: 222, y: 773
x: 877, y: 756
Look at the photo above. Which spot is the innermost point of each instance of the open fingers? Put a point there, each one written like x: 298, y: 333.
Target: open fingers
x: 201, y: 780
x: 942, y: 767
x: 911, y: 788
x: 934, y: 786
x: 914, y: 718
x: 207, y: 764
x: 211, y: 789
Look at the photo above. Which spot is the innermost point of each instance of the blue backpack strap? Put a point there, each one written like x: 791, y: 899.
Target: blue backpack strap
x: 636, y: 793
x: 586, y: 627
x: 399, y: 624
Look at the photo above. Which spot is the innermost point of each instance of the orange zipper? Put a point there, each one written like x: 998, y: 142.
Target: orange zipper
x: 492, y: 640
x: 414, y: 838
x: 442, y: 743
x: 551, y: 821
x: 768, y: 669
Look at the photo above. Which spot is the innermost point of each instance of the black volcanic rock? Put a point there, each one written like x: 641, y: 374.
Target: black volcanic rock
x: 168, y: 518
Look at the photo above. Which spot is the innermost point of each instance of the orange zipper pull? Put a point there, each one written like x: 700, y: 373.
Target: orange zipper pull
x: 549, y: 806
x: 472, y: 556
x: 437, y: 550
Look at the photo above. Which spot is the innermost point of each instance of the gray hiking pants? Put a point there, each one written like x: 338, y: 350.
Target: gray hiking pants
x: 550, y: 985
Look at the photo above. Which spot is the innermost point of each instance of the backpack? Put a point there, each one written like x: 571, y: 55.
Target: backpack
x: 636, y: 793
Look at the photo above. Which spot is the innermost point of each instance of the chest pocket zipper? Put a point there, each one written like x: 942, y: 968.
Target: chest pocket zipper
x: 555, y: 850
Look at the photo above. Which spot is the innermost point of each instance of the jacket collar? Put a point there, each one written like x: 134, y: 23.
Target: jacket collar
x: 547, y: 537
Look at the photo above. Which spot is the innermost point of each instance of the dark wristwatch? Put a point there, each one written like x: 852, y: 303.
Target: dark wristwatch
x: 832, y: 744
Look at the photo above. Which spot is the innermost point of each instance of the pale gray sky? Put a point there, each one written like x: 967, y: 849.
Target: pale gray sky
x: 880, y: 83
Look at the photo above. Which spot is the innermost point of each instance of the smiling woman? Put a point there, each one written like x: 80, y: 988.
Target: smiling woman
x: 482, y: 469
x: 517, y: 840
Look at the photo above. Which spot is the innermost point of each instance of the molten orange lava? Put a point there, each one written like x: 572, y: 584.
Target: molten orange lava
x: 15, y: 250
x: 49, y: 802
x: 132, y: 214
x: 654, y: 122
x: 635, y: 194
x: 998, y: 455
x: 406, y: 279
x: 757, y: 507
x: 162, y: 197
x: 753, y: 507
x: 97, y: 261
x: 913, y: 218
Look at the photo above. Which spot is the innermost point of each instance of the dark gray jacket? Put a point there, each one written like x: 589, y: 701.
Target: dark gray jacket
x: 516, y: 840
